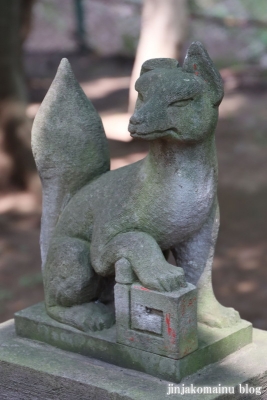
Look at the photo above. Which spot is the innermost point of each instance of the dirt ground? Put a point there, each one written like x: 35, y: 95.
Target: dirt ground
x: 240, y: 264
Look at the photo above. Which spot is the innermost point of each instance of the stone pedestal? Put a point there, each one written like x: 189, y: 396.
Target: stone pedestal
x: 163, y: 323
x: 214, y: 344
x: 37, y: 371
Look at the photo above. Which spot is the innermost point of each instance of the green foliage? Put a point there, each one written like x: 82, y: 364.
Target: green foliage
x: 247, y: 9
x: 129, y: 44
x: 5, y: 294
x: 31, y: 280
x: 256, y: 9
x: 261, y: 138
x: 216, y: 8
x: 193, y: 5
x: 252, y: 13
x: 49, y: 11
x: 262, y: 35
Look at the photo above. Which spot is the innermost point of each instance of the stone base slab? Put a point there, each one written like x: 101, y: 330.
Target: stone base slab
x: 36, y: 371
x: 214, y: 345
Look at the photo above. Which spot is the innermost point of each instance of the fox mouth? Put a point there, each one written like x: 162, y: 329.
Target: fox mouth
x: 133, y: 129
x: 158, y: 133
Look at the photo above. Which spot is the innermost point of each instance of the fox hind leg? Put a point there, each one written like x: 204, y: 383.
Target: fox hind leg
x: 72, y: 286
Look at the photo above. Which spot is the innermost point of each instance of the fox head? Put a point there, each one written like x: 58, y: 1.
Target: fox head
x: 177, y: 102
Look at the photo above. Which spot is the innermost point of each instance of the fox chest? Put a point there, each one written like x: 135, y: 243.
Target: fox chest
x: 174, y: 210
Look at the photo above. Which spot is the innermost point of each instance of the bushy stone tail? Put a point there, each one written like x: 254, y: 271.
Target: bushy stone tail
x: 69, y: 146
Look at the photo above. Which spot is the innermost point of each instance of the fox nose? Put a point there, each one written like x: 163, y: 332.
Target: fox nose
x: 134, y: 120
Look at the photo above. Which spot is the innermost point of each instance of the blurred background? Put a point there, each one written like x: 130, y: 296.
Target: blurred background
x: 106, y: 41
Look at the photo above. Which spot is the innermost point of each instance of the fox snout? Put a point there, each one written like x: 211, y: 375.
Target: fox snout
x: 135, y: 120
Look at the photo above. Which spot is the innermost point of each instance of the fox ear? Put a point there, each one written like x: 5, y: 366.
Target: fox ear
x: 198, y: 61
x: 154, y: 63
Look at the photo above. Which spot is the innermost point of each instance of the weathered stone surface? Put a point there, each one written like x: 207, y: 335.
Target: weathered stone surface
x: 137, y: 213
x: 124, y: 272
x: 36, y: 371
x: 69, y: 146
x: 214, y: 344
x: 158, y: 322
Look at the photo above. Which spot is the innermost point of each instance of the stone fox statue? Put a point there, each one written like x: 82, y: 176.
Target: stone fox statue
x: 94, y: 218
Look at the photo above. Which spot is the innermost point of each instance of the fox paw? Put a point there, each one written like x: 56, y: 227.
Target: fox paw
x: 164, y: 279
x: 218, y: 316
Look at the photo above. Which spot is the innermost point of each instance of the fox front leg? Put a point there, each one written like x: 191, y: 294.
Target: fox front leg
x: 145, y: 257
x: 195, y: 256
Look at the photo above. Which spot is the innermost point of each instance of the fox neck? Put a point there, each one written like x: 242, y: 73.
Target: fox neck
x: 166, y: 158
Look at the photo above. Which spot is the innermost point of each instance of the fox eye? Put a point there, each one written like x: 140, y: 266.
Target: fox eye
x: 180, y: 103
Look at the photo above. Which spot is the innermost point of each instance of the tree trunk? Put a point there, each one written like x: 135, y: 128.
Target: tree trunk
x: 163, y: 30
x: 15, y: 156
x: 12, y: 86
